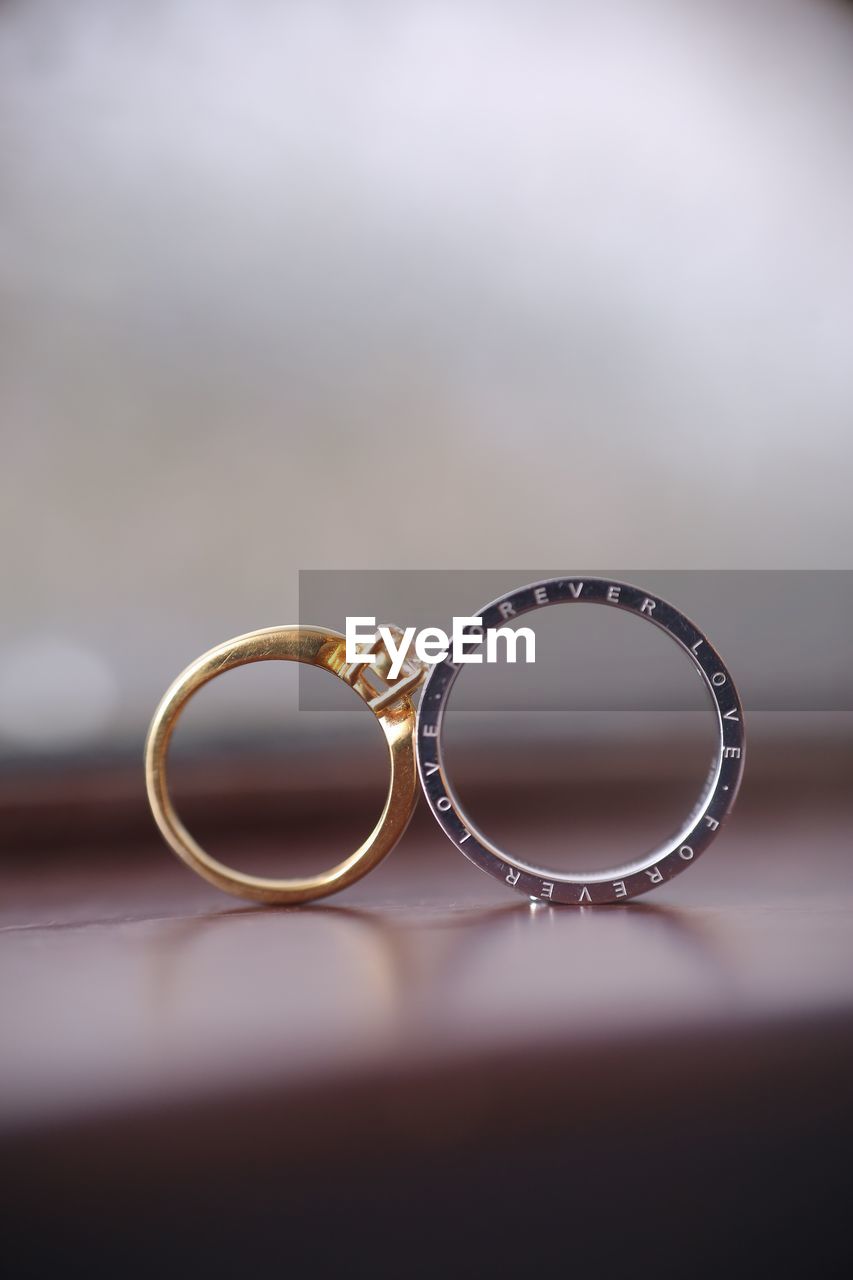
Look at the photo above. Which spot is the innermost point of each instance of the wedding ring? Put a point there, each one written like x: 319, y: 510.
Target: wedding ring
x: 670, y: 858
x: 388, y: 699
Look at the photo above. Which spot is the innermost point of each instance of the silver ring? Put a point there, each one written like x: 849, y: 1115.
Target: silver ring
x: 670, y: 858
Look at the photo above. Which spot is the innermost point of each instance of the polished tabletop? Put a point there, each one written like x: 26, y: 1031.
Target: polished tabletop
x: 424, y: 1013
x: 128, y: 980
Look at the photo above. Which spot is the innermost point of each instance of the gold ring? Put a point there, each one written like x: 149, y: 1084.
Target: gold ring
x: 391, y: 705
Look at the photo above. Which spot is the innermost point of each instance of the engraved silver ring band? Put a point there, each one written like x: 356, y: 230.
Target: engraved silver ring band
x: 670, y: 858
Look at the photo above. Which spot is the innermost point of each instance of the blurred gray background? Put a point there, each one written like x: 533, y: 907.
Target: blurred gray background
x: 431, y: 285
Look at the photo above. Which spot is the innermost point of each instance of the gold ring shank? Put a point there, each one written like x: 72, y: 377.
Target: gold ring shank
x: 320, y: 648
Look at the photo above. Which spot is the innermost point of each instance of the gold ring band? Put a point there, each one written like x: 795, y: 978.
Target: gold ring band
x: 320, y: 648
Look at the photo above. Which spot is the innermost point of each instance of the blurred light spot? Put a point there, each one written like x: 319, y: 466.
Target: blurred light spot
x: 53, y: 693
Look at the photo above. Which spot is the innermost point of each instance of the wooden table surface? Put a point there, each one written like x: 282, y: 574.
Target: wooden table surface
x: 429, y: 1058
